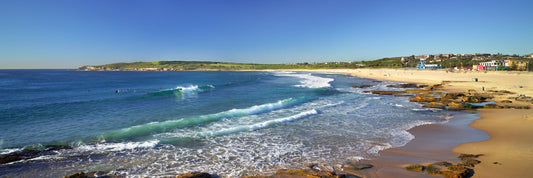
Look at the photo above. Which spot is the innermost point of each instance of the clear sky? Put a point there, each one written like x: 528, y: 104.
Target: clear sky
x: 72, y: 33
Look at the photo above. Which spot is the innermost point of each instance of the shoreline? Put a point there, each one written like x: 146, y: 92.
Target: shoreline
x: 432, y: 143
x: 491, y: 122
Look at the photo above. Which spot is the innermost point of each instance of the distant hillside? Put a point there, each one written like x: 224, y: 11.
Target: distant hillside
x: 394, y: 62
x: 204, y: 65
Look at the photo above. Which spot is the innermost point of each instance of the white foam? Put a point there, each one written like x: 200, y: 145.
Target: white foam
x: 7, y: 151
x: 189, y: 88
x: 260, y: 125
x: 309, y: 81
x: 286, y: 119
x: 104, y: 147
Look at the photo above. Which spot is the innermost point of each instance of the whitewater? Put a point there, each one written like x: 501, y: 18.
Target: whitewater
x: 167, y: 123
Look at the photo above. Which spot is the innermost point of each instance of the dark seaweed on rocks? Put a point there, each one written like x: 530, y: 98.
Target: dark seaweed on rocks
x: 30, y: 153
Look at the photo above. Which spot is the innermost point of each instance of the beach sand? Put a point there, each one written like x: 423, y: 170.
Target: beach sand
x: 507, y: 153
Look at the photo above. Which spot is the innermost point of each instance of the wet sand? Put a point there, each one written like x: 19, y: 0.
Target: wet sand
x: 432, y: 143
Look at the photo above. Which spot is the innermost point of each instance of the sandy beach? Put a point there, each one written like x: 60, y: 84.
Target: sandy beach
x: 507, y: 153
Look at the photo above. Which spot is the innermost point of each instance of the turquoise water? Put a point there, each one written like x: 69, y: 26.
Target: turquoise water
x: 166, y: 123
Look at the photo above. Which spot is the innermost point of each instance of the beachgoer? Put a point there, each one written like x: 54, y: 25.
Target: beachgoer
x: 483, y: 88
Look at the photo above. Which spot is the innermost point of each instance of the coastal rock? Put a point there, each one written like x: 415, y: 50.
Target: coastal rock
x: 361, y: 86
x: 18, y: 155
x: 402, y: 95
x: 423, y: 98
x: 455, y: 106
x: 492, y: 106
x: 311, y: 173
x: 91, y: 175
x: 77, y: 175
x: 360, y: 166
x: 451, y: 96
x: 432, y: 87
x: 378, y: 92
x: 30, y: 153
x: 415, y: 91
x: 474, y: 99
x: 446, y: 169
x: 438, y: 167
x: 437, y: 104
x: 464, y: 156
x: 416, y: 168
x: 506, y: 101
x: 407, y: 85
x: 196, y: 175
x: 523, y: 98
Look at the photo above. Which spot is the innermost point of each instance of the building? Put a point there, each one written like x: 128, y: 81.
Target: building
x: 517, y: 65
x: 427, y: 66
x: 504, y: 65
x: 528, y: 56
x: 495, y: 65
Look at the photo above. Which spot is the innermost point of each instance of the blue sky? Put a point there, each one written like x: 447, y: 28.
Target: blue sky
x: 72, y: 33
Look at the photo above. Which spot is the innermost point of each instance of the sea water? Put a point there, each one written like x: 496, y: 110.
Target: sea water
x: 165, y: 123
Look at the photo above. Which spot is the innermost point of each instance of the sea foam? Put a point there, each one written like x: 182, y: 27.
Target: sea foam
x: 309, y: 81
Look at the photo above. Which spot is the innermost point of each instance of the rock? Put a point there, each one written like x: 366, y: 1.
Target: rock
x: 18, y: 155
x: 415, y: 91
x: 377, y: 92
x: 311, y: 173
x: 451, y: 96
x: 196, y: 175
x: 405, y: 85
x: 474, y: 99
x: 492, y: 106
x: 416, y: 167
x: 402, y: 95
x: 433, y: 87
x: 311, y: 166
x: 471, y: 162
x: 455, y: 106
x: 507, y: 101
x: 361, y: 86
x: 77, y: 175
x: 458, y: 172
x: 30, y: 153
x: 423, y: 98
x: 524, y: 98
x: 361, y: 166
x: 463, y: 156
x: 437, y: 104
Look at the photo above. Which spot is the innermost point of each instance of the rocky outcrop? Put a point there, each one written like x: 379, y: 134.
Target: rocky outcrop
x: 423, y: 98
x: 197, y: 175
x: 77, y: 175
x: 91, y: 175
x: 361, y: 86
x: 454, y: 106
x: 29, y: 153
x: 474, y: 98
x: 437, y: 105
x: 378, y: 92
x: 461, y: 169
x: 407, y: 85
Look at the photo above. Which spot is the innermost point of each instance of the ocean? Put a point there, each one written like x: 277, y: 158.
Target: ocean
x: 232, y: 123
